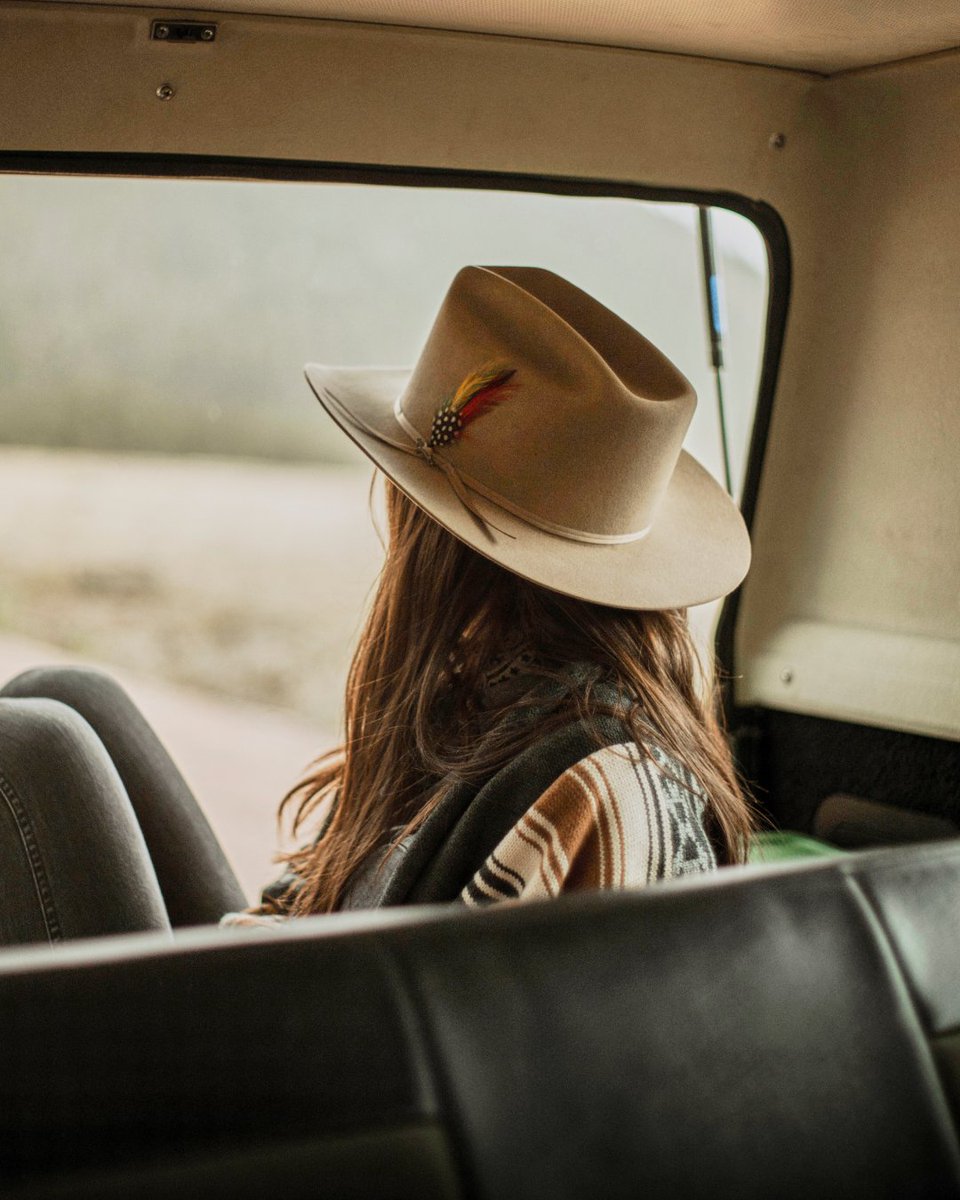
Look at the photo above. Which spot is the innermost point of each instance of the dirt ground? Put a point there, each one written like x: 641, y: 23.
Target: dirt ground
x: 241, y: 579
x: 224, y: 594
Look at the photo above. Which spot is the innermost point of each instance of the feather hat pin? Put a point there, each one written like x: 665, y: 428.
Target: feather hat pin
x: 479, y: 392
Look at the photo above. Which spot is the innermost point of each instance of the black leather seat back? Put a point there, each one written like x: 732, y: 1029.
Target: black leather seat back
x: 753, y: 1041
x: 782, y: 1032
x: 133, y: 1064
x: 916, y: 899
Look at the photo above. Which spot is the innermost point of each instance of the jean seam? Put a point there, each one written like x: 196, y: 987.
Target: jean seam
x: 32, y: 848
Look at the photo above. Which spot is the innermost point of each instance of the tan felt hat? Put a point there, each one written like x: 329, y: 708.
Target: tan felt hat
x: 542, y: 430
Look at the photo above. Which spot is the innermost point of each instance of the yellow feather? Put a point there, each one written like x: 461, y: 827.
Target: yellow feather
x: 473, y: 384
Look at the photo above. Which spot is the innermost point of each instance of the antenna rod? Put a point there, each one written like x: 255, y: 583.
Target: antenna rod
x: 711, y: 284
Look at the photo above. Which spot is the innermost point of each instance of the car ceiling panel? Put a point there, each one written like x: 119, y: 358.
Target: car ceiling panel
x: 825, y: 36
x: 72, y: 78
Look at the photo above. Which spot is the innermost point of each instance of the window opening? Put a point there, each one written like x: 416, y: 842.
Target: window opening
x: 176, y: 507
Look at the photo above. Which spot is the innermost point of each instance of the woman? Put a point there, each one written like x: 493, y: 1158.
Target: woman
x: 525, y: 714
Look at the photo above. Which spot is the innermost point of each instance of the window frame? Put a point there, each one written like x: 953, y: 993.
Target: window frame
x: 763, y: 216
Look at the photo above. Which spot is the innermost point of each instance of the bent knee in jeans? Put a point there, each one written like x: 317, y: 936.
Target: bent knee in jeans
x: 70, y: 845
x: 197, y: 881
x: 75, y: 686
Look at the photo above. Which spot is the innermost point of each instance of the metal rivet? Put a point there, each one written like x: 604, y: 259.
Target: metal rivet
x: 162, y: 31
x: 778, y: 141
x: 206, y: 35
x: 165, y: 92
x: 786, y: 675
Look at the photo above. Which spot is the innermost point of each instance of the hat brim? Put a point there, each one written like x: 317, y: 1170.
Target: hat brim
x: 696, y: 550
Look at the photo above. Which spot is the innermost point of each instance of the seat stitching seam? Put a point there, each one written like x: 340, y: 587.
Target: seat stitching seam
x: 31, y: 847
x: 421, y: 1024
x: 900, y: 975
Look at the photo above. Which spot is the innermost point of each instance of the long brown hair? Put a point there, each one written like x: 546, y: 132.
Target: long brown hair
x: 418, y: 719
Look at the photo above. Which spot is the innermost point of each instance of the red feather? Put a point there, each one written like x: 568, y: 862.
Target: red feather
x: 487, y: 397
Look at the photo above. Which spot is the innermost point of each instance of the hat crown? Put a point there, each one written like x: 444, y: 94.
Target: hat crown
x: 557, y: 452
x: 587, y: 432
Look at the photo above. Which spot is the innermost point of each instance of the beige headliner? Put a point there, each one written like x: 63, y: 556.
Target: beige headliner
x: 826, y: 36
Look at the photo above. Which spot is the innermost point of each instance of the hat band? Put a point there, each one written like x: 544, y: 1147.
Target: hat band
x: 461, y: 482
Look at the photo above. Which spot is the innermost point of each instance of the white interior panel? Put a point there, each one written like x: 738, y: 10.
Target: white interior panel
x: 858, y: 526
x: 869, y: 676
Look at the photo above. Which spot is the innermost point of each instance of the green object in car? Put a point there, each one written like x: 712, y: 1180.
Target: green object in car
x: 778, y: 845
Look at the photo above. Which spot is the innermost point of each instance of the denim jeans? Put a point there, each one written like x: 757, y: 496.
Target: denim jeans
x: 99, y: 832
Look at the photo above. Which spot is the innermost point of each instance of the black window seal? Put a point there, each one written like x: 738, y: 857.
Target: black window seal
x: 766, y: 219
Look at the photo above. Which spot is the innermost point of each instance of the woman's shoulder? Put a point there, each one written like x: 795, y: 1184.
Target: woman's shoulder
x: 622, y: 815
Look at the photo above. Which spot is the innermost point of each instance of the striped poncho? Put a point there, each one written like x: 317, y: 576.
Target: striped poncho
x: 583, y: 807
x: 617, y: 818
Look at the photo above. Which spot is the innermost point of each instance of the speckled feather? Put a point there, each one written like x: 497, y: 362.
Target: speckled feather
x: 479, y: 392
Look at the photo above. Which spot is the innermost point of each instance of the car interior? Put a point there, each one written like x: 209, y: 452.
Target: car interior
x: 789, y: 1028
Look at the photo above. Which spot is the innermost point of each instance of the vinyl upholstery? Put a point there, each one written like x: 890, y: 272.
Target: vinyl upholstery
x: 784, y: 1031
